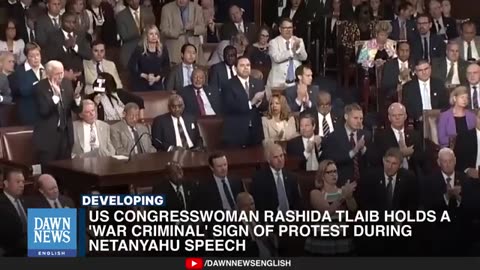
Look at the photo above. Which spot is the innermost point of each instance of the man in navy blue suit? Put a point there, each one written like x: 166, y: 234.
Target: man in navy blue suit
x: 426, y: 44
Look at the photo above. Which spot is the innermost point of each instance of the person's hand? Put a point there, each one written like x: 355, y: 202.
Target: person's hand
x: 296, y: 44
x: 360, y: 144
x: 348, y: 189
x: 151, y: 79
x: 407, y: 151
x: 310, y: 145
x: 55, y: 88
x: 70, y: 43
x: 77, y: 74
x: 454, y: 192
x: 158, y: 78
x: 97, y: 99
x: 211, y: 25
x: 78, y: 89
x: 317, y: 140
x: 472, y: 173
x: 258, y: 97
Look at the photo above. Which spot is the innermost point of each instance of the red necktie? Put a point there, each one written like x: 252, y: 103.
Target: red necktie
x: 356, y: 167
x: 200, y: 102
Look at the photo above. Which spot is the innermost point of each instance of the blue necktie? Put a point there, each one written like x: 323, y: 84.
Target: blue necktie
x: 291, y: 68
x: 281, y: 194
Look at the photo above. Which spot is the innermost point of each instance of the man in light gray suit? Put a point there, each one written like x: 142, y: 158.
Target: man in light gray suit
x: 91, y: 136
x: 5, y: 92
x: 469, y: 42
x: 127, y: 132
x: 48, y: 23
x: 130, y: 24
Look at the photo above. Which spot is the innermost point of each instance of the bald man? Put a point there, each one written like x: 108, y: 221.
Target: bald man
x: 396, y: 135
x: 473, y: 84
x: 49, y: 195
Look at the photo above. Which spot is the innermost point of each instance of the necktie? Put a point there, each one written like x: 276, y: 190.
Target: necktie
x: 450, y: 73
x: 55, y: 204
x: 403, y: 31
x: 21, y: 213
x: 247, y: 89
x: 93, y: 138
x: 32, y: 36
x: 452, y: 202
x: 475, y: 98
x: 281, y: 194
x: 136, y: 137
x: 356, y: 166
x: 189, y: 73
x: 426, y: 53
x: 390, y: 192
x: 137, y: 21
x: 99, y: 70
x: 228, y: 194
x: 426, y: 98
x: 469, y: 51
x: 239, y: 27
x: 439, y: 27
x: 40, y: 72
x: 401, y: 139
x: 312, y: 160
x: 200, y: 102
x: 183, y: 14
x: 291, y: 68
x: 326, y: 128
x: 180, y: 198
x: 181, y: 132
x: 55, y: 23
x: 230, y: 71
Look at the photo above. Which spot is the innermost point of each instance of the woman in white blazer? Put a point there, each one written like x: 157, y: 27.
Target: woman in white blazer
x: 278, y: 124
x: 10, y: 42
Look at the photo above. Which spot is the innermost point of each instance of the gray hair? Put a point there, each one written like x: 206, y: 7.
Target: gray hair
x: 445, y: 151
x: 130, y: 106
x: 53, y: 64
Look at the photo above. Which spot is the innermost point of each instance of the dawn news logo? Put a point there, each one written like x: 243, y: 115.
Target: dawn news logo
x: 52, y: 232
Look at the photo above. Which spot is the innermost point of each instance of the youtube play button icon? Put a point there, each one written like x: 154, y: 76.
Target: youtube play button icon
x: 194, y: 263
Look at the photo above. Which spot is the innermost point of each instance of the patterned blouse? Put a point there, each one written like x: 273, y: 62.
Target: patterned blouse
x: 352, y: 33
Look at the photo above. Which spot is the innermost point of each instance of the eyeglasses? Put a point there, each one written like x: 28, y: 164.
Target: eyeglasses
x: 331, y: 172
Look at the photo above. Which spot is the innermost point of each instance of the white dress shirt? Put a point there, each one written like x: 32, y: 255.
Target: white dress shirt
x: 425, y: 94
x: 177, y: 133
x: 442, y: 29
x: 187, y: 74
x: 473, y: 48
x: 452, y: 184
x: 86, y: 137
x: 320, y: 123
x: 177, y: 188
x: 455, y: 78
x: 292, y: 13
x: 56, y: 19
x: 280, y: 181
x: 206, y: 103
x: 223, y: 196
x: 394, y: 181
x: 280, y: 8
x: 243, y: 81
x: 402, y: 65
x: 66, y: 35
x: 397, y: 132
x: 240, y: 27
x: 234, y: 71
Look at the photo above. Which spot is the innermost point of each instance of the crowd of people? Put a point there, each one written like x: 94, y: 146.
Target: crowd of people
x: 53, y: 63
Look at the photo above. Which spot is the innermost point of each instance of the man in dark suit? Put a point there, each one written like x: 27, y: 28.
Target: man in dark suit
x: 180, y: 76
x: 326, y: 114
x: 403, y: 25
x: 349, y: 7
x: 48, y: 23
x: 442, y: 26
x: 273, y: 187
x: 303, y: 95
x: 306, y: 146
x: 319, y: 8
x: 49, y: 196
x: 298, y: 13
x: 69, y: 48
x: 176, y: 128
x: 451, y: 69
x: 466, y: 150
x: 407, y: 140
x: 13, y: 214
x: 237, y: 25
x: 349, y: 145
x: 243, y: 102
x: 219, y: 191
x: 473, y: 84
x: 55, y: 100
x: 220, y: 73
x: 392, y: 77
x: 177, y: 191
x: 425, y: 44
x: 200, y: 99
x: 424, y: 92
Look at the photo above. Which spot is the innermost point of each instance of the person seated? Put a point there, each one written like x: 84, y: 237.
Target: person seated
x: 403, y: 25
x: 91, y: 136
x: 125, y: 134
x: 442, y: 26
x: 239, y: 41
x: 111, y: 101
x: 49, y: 196
x: 258, y: 51
x: 307, y: 146
x: 458, y: 119
x: 150, y: 63
x: 237, y: 25
x: 178, y: 191
x: 200, y: 99
x: 397, y: 71
x: 278, y: 124
x: 176, y: 129
x: 377, y: 51
x: 452, y: 70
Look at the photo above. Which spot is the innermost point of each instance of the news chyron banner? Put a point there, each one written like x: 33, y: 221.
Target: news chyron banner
x: 139, y: 225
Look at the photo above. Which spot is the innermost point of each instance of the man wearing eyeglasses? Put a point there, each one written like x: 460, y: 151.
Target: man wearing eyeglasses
x: 425, y: 44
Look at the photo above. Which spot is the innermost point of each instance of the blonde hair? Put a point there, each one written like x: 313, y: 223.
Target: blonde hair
x: 284, y: 109
x: 240, y: 42
x: 383, y: 26
x: 458, y: 91
x: 3, y: 57
x: 322, y: 168
x: 144, y: 42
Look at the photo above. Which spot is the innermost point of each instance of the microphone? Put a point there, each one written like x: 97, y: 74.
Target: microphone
x: 138, y: 141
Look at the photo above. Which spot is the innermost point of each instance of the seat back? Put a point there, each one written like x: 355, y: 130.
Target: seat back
x: 8, y: 115
x: 19, y: 146
x: 156, y: 103
x: 430, y: 119
x: 211, y: 130
x: 8, y: 130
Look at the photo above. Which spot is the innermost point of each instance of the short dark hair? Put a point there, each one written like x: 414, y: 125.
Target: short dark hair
x: 400, y: 43
x: 352, y: 107
x: 307, y: 116
x: 213, y: 156
x: 424, y: 15
x: 3, y: 35
x: 67, y: 14
x: 229, y: 48
x: 421, y: 62
x: 300, y: 69
x: 394, y: 152
x: 285, y: 19
x: 186, y: 45
x: 242, y: 57
x: 8, y: 171
x: 404, y: 5
x: 469, y: 23
x: 97, y: 42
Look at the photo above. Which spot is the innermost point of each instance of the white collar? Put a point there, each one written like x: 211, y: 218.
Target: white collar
x: 175, y: 187
x: 54, y: 17
x: 134, y: 11
x: 23, y: 5
x: 424, y: 82
x: 66, y: 34
x: 394, y: 177
x: 28, y: 67
x: 449, y: 62
x: 274, y: 172
x: 396, y: 130
x: 85, y: 124
x: 445, y: 176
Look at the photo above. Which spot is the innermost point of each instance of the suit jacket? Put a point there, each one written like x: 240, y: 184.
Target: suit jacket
x: 463, y: 52
x: 346, y: 11
x: 165, y: 188
x: 271, y: 130
x: 336, y: 147
x: 229, y: 29
x: 218, y: 76
x: 71, y: 59
x: 18, y: 13
x: 5, y: 91
x: 295, y: 147
x: 451, y: 28
x: 173, y: 33
x: 39, y: 201
x: 43, y: 28
x: 242, y: 124
x: 280, y: 58
x: 317, y: 9
x: 466, y: 150
x: 440, y: 69
x: 122, y: 139
x: 373, y: 191
x: 334, y: 114
x: 108, y: 31
x: 163, y: 131
x: 447, y: 128
x: 105, y: 149
x: 390, y: 80
x: 189, y: 96
x: 175, y: 78
x: 128, y: 31
x: 437, y: 46
x: 385, y: 139
x: 49, y: 115
x: 290, y: 94
x: 264, y: 190
x: 208, y: 195
x: 410, y: 26
x: 90, y: 73
x: 413, y: 99
x: 26, y: 81
x: 13, y: 237
x: 300, y: 20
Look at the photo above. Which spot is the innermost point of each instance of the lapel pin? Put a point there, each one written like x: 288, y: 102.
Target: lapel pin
x: 209, y: 93
x: 435, y: 94
x: 193, y: 126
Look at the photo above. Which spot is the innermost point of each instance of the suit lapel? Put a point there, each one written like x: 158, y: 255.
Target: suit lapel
x: 443, y: 68
x: 126, y: 133
x: 80, y: 134
x: 180, y: 76
x: 391, y: 137
x: 171, y: 129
